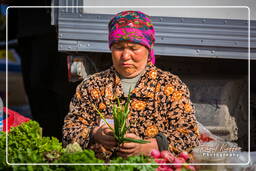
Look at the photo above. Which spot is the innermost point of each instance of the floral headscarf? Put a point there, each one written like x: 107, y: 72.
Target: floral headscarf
x: 133, y: 26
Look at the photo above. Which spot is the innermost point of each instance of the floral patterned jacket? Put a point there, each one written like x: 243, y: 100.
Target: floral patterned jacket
x: 160, y: 102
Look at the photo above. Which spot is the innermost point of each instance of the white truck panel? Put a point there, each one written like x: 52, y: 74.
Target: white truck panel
x: 221, y: 9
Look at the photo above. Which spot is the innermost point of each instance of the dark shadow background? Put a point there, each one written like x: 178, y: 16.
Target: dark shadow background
x: 44, y: 69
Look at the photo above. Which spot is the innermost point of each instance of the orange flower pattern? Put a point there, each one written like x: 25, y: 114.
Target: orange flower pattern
x: 95, y: 93
x: 158, y: 105
x: 138, y: 105
x: 153, y: 74
x: 168, y: 90
x: 176, y: 96
x: 102, y: 106
x: 151, y: 131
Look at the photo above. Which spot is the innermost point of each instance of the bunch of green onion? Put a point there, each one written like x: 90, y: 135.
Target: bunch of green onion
x: 120, y: 115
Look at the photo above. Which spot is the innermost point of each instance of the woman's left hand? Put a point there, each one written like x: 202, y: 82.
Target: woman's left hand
x: 132, y: 149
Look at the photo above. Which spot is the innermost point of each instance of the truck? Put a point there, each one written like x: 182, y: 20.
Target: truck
x: 210, y: 46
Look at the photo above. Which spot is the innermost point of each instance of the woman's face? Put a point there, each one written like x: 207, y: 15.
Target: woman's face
x: 129, y: 59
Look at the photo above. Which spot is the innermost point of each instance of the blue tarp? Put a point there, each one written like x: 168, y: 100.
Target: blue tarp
x: 3, y: 9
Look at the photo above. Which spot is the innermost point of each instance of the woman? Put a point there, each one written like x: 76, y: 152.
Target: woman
x: 160, y: 111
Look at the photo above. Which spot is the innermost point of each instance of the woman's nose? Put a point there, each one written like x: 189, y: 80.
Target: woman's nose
x: 126, y: 54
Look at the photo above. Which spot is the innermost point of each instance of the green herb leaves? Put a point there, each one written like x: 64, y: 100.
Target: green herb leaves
x: 26, y: 145
x: 120, y: 115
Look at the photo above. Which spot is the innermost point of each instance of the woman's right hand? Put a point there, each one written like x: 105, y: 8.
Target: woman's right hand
x: 105, y: 136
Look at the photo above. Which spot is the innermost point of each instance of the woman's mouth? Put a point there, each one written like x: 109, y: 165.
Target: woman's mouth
x: 126, y: 64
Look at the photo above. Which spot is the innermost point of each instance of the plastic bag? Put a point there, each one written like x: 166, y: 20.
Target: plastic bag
x: 206, y: 135
x: 14, y: 119
x: 213, y: 149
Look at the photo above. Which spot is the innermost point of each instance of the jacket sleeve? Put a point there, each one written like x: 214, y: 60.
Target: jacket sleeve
x: 80, y: 120
x: 182, y: 129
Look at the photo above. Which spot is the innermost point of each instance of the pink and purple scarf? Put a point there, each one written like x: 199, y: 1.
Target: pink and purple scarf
x: 133, y: 26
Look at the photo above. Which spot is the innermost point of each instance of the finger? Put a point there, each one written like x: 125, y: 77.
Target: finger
x: 109, y: 143
x: 109, y: 146
x: 109, y: 138
x: 108, y: 131
x: 131, y: 135
x: 104, y: 138
x: 126, y: 151
x: 128, y: 145
x: 112, y: 126
x: 104, y: 126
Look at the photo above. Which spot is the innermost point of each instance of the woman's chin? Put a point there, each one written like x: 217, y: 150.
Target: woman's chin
x: 127, y: 71
x: 129, y: 75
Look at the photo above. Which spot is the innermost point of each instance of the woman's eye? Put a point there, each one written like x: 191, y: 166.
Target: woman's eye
x: 118, y: 48
x: 134, y: 48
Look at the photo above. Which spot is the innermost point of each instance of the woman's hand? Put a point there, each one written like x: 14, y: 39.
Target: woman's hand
x: 104, y: 136
x: 132, y: 149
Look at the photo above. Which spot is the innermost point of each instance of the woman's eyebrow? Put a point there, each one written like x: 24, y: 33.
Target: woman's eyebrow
x: 132, y: 45
x: 118, y: 45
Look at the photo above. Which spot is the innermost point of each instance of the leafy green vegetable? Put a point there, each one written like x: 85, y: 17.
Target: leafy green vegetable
x: 26, y: 145
x: 72, y: 148
x: 133, y: 159
x: 86, y: 156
